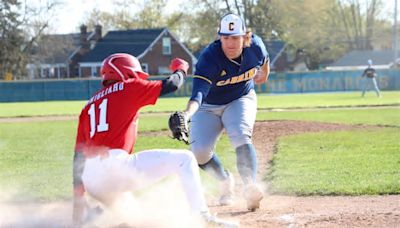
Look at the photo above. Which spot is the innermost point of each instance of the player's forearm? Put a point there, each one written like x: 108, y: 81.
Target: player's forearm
x: 192, y: 108
x: 78, y: 206
x: 265, y: 69
x: 173, y: 82
x: 200, y: 90
x: 78, y: 165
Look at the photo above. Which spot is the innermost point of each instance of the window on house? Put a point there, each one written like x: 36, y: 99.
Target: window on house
x: 162, y: 70
x: 166, y: 44
x: 145, y: 67
x: 94, y: 71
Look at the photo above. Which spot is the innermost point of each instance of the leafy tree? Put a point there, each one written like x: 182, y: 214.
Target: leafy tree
x: 358, y: 20
x: 324, y: 30
x: 319, y: 31
x: 200, y: 24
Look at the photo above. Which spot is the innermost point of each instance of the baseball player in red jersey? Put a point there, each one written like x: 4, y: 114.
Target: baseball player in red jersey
x: 104, y: 165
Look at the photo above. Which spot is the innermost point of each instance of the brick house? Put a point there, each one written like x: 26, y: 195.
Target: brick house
x: 155, y: 48
x: 57, y: 55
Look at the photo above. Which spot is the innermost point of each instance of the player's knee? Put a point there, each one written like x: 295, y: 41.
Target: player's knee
x: 202, y: 154
x: 240, y: 139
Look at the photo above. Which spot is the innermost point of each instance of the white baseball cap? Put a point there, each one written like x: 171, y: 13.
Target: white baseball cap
x: 231, y: 25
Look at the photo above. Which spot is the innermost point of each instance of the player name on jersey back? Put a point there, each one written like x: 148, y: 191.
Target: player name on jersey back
x: 108, y: 90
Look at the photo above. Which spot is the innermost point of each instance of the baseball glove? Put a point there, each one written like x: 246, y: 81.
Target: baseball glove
x: 179, y: 125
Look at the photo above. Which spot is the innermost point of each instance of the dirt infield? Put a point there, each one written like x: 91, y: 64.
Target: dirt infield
x: 275, y: 211
x: 315, y: 211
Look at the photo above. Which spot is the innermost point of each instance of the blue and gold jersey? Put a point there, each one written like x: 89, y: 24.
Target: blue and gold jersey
x: 219, y: 80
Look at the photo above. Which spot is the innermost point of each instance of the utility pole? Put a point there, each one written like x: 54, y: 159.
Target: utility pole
x: 395, y: 35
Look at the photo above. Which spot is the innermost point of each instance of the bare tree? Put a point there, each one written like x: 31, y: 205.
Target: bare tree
x: 358, y: 19
x: 21, y: 25
x: 11, y: 37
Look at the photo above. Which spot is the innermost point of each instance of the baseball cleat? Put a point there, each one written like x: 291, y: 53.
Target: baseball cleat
x: 213, y: 221
x: 253, y: 196
x: 227, y: 190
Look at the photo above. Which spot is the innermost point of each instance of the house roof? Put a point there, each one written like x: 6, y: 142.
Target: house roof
x: 356, y: 59
x: 134, y: 42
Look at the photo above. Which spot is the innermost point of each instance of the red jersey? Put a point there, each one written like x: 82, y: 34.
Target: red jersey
x: 110, y: 118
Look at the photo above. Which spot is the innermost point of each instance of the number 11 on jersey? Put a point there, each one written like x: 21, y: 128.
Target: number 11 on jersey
x: 103, y: 125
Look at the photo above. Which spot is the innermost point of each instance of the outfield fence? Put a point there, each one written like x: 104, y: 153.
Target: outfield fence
x: 305, y: 82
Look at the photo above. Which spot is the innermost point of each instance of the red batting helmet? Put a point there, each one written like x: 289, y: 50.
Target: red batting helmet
x: 121, y: 67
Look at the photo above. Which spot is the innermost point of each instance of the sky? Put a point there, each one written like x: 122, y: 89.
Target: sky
x: 71, y: 16
x: 73, y: 13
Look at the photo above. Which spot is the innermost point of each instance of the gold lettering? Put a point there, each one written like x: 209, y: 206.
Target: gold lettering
x: 240, y: 78
x: 252, y: 72
x: 237, y: 79
x: 223, y: 82
x: 234, y: 80
x: 247, y: 76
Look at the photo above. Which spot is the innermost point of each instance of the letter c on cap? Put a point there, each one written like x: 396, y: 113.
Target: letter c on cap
x: 231, y: 26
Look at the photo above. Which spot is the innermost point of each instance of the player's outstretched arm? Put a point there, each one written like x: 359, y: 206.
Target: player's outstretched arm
x: 175, y: 81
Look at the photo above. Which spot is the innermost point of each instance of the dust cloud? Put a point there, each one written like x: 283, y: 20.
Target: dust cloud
x: 162, y: 205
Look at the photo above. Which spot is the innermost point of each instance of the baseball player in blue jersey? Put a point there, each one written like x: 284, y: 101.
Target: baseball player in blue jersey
x: 223, y: 97
x: 369, y: 78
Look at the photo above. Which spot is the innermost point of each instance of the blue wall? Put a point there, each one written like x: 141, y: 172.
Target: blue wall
x: 79, y: 89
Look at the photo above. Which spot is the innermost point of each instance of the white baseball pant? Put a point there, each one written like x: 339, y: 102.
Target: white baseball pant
x: 107, y: 179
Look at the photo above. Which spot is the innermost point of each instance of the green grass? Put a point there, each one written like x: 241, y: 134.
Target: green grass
x: 371, y: 116
x: 46, y: 108
x: 35, y: 161
x: 340, y: 163
x: 327, y: 100
x: 265, y: 101
x: 36, y: 158
x: 153, y: 122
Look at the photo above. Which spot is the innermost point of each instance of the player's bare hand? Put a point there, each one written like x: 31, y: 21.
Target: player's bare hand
x: 260, y: 77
